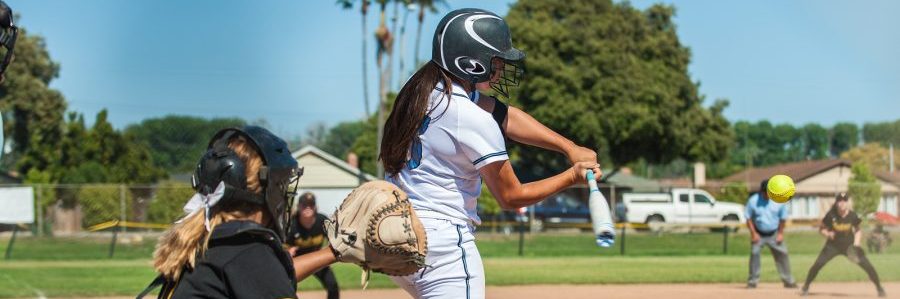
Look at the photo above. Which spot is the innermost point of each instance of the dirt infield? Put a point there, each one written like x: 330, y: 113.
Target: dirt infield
x: 667, y: 291
x: 633, y: 291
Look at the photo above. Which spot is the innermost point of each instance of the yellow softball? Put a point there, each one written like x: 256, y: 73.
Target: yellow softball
x: 780, y: 188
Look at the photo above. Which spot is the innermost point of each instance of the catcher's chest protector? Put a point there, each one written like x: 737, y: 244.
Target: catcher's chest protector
x: 237, y: 250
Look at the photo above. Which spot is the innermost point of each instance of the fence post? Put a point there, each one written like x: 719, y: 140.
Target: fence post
x: 12, y: 241
x: 112, y: 245
x: 725, y: 229
x: 521, y: 233
x: 40, y: 211
x: 122, y: 216
x: 612, y: 204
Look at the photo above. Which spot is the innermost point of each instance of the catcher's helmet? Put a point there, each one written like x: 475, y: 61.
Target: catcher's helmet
x: 279, y: 174
x: 467, y: 41
x: 8, y: 34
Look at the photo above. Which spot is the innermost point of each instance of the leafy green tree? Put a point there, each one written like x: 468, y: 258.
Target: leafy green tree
x: 101, y: 154
x: 864, y: 189
x: 33, y: 112
x: 103, y: 202
x: 167, y: 205
x: 487, y: 203
x: 736, y: 192
x: 613, y: 78
x: 341, y: 137
x: 815, y: 141
x: 843, y: 137
x: 364, y: 146
x: 873, y: 155
x: 176, y: 141
x: 883, y: 132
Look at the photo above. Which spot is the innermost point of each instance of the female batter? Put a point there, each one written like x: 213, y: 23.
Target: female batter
x: 440, y: 142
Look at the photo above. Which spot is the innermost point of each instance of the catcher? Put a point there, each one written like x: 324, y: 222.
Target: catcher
x: 841, y: 227
x: 229, y: 243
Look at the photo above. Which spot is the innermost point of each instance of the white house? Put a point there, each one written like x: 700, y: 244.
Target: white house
x: 328, y: 177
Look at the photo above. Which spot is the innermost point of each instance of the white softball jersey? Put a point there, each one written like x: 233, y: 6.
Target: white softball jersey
x: 441, y: 178
x: 455, y: 140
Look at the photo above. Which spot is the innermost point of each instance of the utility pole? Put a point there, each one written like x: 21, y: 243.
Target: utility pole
x: 891, y: 155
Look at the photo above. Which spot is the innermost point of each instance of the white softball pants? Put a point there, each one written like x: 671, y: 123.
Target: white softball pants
x: 455, y: 270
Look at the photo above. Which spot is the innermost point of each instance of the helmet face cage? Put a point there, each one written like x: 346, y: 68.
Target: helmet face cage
x: 511, y: 74
x: 288, y: 193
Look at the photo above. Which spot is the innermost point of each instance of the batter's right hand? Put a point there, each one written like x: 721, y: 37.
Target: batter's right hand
x: 754, y: 238
x: 579, y: 169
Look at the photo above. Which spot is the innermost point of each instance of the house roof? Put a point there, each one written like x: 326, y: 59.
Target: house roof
x: 893, y: 178
x: 798, y: 171
x: 312, y: 150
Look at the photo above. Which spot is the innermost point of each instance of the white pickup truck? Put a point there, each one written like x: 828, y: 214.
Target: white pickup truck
x: 681, y: 205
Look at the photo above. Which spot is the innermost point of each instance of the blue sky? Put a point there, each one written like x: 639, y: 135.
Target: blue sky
x: 296, y: 63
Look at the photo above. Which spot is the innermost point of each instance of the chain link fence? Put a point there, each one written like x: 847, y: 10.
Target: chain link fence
x: 69, y: 209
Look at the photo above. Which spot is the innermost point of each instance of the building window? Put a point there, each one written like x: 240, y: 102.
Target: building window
x: 888, y: 204
x: 804, y: 207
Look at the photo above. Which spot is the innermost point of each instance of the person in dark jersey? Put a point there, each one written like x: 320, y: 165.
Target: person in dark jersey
x: 841, y: 229
x: 306, y: 234
x: 229, y: 245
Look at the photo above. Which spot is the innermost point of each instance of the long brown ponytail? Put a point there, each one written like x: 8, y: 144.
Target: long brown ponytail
x: 411, y: 106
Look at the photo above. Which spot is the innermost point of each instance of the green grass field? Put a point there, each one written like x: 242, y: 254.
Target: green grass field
x: 79, y: 267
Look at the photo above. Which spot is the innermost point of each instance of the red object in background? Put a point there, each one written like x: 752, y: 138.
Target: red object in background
x: 885, y: 218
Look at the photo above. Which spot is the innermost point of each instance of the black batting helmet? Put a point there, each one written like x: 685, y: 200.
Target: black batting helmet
x: 467, y: 41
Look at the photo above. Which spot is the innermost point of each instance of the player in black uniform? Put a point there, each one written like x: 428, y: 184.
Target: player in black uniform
x: 306, y: 234
x: 841, y: 227
x: 229, y: 244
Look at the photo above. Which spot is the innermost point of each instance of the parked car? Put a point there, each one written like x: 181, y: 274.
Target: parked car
x: 563, y: 207
x: 680, y: 205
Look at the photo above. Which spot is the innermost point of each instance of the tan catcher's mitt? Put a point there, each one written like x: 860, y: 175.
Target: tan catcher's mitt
x: 376, y: 228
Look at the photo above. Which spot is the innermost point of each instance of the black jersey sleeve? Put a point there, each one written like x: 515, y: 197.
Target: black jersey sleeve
x: 257, y: 273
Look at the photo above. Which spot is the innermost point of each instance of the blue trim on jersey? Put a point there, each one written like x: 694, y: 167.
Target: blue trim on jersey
x: 488, y: 156
x: 416, y: 150
x: 465, y: 265
x: 456, y: 94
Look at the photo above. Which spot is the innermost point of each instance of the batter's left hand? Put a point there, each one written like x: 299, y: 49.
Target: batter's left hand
x: 779, y: 238
x: 581, y: 154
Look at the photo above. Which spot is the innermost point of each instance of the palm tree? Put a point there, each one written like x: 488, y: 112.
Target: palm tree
x: 385, y: 48
x: 408, y: 4
x: 423, y: 5
x: 363, y: 9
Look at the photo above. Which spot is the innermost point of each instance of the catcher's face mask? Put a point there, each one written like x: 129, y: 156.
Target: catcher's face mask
x: 8, y: 34
x: 280, y: 174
